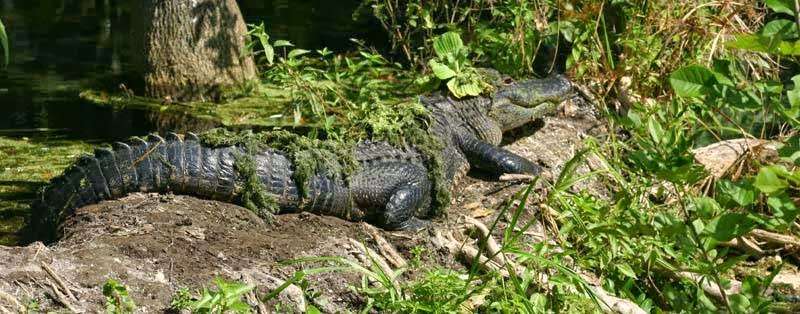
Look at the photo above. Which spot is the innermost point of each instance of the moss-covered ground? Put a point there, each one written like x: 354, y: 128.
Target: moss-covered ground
x: 265, y: 106
x: 26, y: 164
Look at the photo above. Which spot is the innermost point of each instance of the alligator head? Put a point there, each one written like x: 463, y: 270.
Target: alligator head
x: 517, y: 103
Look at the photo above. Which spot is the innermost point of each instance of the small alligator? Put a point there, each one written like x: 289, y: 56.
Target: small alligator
x: 391, y: 189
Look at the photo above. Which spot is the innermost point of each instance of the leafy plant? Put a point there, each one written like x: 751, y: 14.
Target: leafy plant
x: 4, y: 42
x: 257, y: 36
x: 779, y: 36
x: 453, y: 66
x: 117, y: 299
x: 226, y: 298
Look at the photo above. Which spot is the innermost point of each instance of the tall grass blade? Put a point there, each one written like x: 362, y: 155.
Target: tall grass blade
x: 4, y: 43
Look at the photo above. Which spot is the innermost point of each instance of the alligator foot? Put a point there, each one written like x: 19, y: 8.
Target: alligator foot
x: 402, y: 206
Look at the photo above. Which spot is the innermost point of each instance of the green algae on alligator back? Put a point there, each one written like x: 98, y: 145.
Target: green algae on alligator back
x: 267, y: 106
x: 26, y: 164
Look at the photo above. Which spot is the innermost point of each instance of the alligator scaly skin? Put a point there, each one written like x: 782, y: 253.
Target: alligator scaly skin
x: 391, y: 189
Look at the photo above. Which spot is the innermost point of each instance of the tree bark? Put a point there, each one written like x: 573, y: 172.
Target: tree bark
x: 189, y: 49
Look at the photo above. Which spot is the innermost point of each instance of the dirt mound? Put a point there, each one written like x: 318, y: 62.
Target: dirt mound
x: 157, y: 244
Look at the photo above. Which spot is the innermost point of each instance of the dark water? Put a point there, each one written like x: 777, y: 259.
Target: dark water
x: 59, y: 47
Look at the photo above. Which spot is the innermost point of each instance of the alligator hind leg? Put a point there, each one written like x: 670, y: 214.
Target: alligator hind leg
x: 400, y: 210
x: 392, y: 194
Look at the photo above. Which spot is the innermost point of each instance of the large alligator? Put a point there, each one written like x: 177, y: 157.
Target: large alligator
x: 391, y: 188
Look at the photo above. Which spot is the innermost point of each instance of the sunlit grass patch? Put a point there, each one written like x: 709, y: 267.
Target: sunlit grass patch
x: 26, y: 164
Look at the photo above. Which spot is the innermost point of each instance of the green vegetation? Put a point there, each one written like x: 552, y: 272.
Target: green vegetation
x: 226, y: 298
x: 4, y: 43
x: 452, y: 65
x: 117, y: 299
x: 25, y: 165
x: 667, y: 217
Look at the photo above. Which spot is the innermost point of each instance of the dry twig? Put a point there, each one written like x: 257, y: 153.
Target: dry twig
x: 58, y: 280
x: 61, y: 298
x: 387, y: 249
x: 517, y: 177
x: 13, y: 301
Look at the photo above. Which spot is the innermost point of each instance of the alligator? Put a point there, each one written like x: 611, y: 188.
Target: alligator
x: 391, y: 188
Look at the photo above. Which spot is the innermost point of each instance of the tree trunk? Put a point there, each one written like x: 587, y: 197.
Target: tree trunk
x: 189, y: 49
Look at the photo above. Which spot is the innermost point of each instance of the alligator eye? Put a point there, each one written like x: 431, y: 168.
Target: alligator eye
x: 508, y: 81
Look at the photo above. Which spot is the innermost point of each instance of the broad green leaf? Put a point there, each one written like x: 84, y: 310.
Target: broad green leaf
x: 784, y: 211
x: 788, y: 48
x: 753, y: 42
x: 723, y: 79
x: 463, y: 89
x: 692, y: 81
x: 447, y: 43
x: 706, y: 207
x: 794, y: 94
x: 269, y: 52
x: 781, y: 6
x: 297, y: 52
x: 655, y: 130
x: 282, y: 43
x: 441, y: 71
x: 728, y: 226
x: 780, y: 29
x: 4, y: 42
x: 626, y: 270
x: 740, y: 303
x: 742, y: 194
x: 768, y: 181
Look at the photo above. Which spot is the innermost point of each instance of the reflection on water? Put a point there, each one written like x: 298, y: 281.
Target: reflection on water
x: 60, y: 46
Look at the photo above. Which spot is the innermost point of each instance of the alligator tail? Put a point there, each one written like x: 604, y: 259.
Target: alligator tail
x: 175, y: 164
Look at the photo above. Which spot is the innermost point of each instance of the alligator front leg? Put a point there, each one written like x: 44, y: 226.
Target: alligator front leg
x: 496, y: 160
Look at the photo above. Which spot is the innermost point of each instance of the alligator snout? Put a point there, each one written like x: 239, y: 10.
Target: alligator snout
x: 530, y: 93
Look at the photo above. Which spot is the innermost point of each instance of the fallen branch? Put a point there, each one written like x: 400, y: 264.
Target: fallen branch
x: 517, y: 177
x: 61, y: 298
x: 613, y: 304
x: 468, y: 253
x: 775, y: 238
x: 709, y: 286
x: 744, y: 244
x: 495, y: 251
x: 386, y: 249
x: 58, y: 280
x: 253, y: 300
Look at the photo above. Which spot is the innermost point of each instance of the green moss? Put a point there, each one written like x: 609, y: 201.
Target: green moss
x: 253, y: 194
x: 309, y: 156
x: 26, y: 165
x: 408, y: 124
x: 261, y: 105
